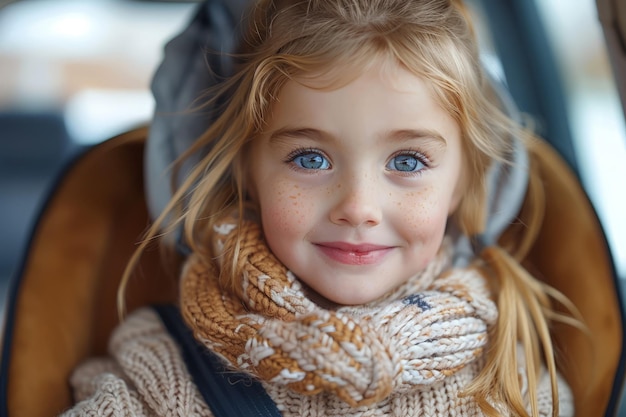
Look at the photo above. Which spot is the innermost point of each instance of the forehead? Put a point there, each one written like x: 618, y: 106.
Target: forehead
x: 383, y: 90
x: 381, y: 66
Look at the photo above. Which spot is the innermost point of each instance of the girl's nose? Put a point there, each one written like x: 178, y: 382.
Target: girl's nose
x: 357, y: 204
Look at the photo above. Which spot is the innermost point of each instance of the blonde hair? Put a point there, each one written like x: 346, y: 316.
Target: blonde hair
x: 433, y: 39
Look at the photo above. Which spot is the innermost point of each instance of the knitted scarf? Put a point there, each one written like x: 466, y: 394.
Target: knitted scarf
x: 427, y: 329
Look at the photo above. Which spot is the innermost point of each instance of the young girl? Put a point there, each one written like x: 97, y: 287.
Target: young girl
x: 342, y: 248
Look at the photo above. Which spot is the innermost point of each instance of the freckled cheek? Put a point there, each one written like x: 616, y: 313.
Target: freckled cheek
x: 287, y: 212
x: 422, y: 214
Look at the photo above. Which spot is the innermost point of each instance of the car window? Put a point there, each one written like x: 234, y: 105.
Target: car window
x: 595, y: 112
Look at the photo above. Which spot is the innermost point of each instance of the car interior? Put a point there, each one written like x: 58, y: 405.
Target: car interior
x: 72, y: 213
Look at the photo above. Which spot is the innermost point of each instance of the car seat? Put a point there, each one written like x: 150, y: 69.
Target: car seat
x: 62, y: 304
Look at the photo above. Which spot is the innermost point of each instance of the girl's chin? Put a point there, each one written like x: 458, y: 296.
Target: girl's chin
x: 319, y: 299
x: 339, y: 299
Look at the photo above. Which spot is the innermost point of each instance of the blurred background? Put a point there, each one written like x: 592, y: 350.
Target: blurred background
x: 72, y: 74
x: 76, y: 72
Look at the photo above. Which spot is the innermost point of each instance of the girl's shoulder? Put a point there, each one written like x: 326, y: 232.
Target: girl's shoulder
x: 141, y: 324
x: 138, y: 376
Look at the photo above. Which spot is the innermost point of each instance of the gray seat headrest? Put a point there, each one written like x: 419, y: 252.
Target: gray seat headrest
x: 194, y: 60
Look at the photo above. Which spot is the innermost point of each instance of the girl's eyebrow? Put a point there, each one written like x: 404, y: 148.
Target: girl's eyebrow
x: 400, y: 135
x: 288, y: 132
x: 420, y: 134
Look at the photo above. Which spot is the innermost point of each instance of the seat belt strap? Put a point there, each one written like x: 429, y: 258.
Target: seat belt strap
x: 227, y: 393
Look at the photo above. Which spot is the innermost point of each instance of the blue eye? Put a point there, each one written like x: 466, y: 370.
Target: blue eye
x: 405, y: 163
x: 311, y: 160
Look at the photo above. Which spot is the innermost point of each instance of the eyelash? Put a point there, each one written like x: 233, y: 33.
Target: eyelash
x: 420, y: 156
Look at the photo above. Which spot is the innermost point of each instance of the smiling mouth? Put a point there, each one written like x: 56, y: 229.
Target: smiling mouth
x: 350, y: 254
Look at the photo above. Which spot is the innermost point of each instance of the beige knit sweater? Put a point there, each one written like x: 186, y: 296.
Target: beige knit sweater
x: 146, y: 376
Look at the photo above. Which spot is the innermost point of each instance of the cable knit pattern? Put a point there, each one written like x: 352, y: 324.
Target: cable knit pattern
x: 417, y: 335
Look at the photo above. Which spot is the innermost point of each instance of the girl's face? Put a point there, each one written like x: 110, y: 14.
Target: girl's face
x: 355, y: 184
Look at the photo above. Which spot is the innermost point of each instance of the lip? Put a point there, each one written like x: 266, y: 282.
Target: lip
x: 354, y: 254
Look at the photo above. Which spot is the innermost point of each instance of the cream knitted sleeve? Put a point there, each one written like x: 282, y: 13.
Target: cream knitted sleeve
x: 145, y: 375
